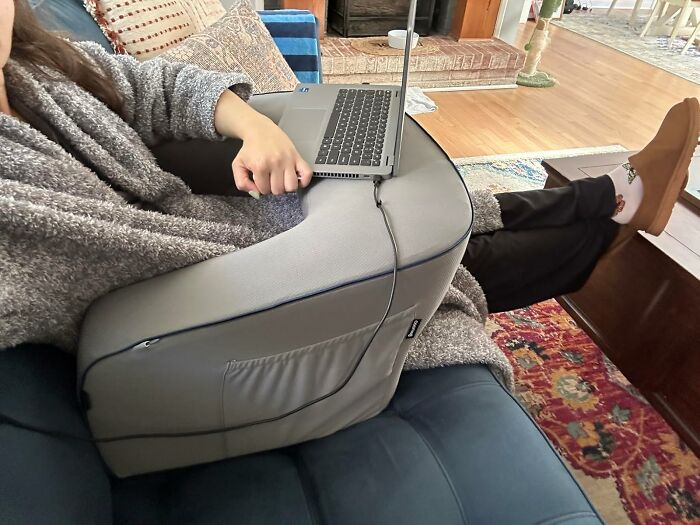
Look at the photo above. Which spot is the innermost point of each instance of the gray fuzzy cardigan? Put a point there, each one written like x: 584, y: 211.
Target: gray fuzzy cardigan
x: 67, y: 237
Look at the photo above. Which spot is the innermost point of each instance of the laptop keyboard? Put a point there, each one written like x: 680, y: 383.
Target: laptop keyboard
x: 356, y: 130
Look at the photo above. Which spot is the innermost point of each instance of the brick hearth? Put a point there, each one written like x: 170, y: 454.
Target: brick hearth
x: 466, y: 63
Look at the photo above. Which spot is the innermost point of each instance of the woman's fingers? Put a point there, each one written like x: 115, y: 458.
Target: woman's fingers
x: 291, y: 183
x: 277, y: 172
x: 304, y: 172
x: 261, y: 176
x: 241, y: 176
x: 277, y: 182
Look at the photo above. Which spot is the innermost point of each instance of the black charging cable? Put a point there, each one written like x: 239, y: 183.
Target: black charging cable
x: 377, y: 181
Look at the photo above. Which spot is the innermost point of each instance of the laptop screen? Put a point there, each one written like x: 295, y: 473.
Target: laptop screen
x: 404, y: 83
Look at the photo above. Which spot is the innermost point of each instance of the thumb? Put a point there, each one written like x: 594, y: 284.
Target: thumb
x: 242, y: 177
x: 304, y: 172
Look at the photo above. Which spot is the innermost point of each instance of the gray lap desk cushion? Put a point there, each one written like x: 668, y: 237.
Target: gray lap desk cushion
x: 326, y: 280
x: 453, y: 447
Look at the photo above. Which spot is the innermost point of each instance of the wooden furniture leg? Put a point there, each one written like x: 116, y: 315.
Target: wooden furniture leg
x: 612, y: 6
x: 656, y: 13
x: 682, y: 19
x: 691, y: 40
x: 635, y: 10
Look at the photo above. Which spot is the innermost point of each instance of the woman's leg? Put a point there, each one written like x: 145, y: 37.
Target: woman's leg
x: 590, y: 198
x: 519, y: 268
x: 551, y: 241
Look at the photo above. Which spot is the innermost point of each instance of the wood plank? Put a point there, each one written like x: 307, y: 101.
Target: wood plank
x: 603, y: 97
x: 475, y: 18
x: 317, y: 7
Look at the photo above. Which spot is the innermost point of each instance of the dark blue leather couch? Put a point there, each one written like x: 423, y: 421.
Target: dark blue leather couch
x: 453, y: 447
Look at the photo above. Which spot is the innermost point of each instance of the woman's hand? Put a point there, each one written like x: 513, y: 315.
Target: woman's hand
x: 268, y: 162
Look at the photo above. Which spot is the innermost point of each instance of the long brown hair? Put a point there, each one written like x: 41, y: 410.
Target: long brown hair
x: 40, y: 50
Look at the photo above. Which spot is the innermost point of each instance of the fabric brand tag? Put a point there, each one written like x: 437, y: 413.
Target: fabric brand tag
x: 413, y: 329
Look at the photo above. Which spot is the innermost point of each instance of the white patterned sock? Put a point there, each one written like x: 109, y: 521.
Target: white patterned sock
x: 629, y: 192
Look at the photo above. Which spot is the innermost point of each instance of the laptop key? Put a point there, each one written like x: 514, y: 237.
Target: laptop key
x: 333, y: 157
x: 366, y: 162
x: 321, y: 159
x: 354, y: 160
x: 332, y: 123
x: 343, y: 159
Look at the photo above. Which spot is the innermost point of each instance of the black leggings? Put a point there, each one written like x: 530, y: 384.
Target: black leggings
x: 549, y: 245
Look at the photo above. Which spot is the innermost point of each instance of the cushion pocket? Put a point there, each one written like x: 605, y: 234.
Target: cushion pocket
x: 271, y: 387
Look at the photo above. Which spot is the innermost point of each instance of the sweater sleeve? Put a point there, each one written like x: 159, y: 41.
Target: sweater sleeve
x: 167, y: 99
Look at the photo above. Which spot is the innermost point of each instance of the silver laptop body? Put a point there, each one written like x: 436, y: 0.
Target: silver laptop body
x: 350, y: 131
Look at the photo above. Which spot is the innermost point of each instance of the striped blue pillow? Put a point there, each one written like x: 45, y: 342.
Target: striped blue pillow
x: 296, y: 34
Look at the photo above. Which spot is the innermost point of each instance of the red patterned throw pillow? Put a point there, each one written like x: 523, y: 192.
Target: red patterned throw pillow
x: 238, y: 43
x: 146, y: 28
x: 204, y: 12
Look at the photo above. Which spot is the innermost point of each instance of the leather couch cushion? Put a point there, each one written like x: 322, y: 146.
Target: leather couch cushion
x: 45, y: 479
x: 453, y: 447
x: 69, y: 16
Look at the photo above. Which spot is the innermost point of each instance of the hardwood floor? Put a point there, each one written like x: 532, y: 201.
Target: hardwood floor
x: 603, y: 97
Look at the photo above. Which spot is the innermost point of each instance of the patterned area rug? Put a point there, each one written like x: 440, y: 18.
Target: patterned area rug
x: 516, y: 171
x: 616, y: 32
x: 632, y: 465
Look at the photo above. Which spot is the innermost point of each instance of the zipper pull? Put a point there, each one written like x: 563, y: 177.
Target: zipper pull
x: 146, y: 344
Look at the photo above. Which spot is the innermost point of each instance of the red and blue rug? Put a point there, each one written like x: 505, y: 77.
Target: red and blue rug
x: 597, y: 420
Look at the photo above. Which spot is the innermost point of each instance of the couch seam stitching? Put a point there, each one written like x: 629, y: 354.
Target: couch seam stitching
x: 223, y: 406
x: 442, y: 468
x: 566, y: 517
x: 442, y: 395
x: 305, y: 483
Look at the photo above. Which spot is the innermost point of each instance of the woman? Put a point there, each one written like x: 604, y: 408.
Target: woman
x: 84, y: 208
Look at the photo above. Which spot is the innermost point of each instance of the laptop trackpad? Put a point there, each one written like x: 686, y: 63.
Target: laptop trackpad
x: 304, y: 125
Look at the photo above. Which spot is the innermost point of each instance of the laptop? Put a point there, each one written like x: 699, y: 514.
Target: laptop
x: 350, y: 131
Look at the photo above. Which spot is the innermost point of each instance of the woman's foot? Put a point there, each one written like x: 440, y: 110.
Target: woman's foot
x: 648, y: 186
x: 629, y: 193
x: 663, y: 165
